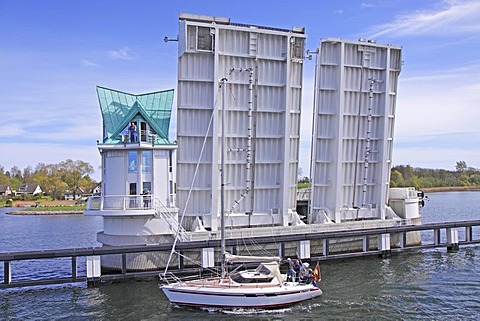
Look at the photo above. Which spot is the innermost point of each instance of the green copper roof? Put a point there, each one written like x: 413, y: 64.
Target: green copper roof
x: 119, y: 109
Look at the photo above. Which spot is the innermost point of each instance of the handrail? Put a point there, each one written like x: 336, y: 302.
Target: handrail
x: 140, y: 202
x: 8, y: 258
x: 161, y: 211
x: 121, y: 202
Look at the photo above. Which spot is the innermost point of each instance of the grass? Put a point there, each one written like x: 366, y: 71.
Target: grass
x: 303, y: 185
x: 55, y: 208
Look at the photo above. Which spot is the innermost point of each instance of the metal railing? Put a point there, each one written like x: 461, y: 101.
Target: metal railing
x: 140, y: 202
x: 69, y: 256
x: 171, y: 218
x: 123, y: 202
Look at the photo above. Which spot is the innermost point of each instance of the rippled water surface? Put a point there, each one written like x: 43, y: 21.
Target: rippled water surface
x: 427, y: 285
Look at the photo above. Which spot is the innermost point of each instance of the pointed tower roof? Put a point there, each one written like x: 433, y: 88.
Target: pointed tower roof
x: 120, y: 108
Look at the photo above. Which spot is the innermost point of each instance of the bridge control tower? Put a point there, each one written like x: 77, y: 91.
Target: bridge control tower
x: 137, y: 201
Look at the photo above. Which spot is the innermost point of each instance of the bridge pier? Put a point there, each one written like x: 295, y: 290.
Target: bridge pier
x: 326, y: 247
x: 383, y: 241
x: 7, y: 272
x: 452, y: 239
x: 436, y: 236
x: 208, y: 257
x: 94, y: 270
x: 366, y: 243
x: 468, y: 233
x: 303, y: 249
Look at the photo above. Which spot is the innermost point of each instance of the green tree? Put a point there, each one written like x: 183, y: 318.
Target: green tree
x: 474, y: 179
x: 73, y: 172
x: 49, y: 178
x: 396, y: 178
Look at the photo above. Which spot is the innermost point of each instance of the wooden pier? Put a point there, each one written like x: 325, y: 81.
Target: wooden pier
x: 445, y: 235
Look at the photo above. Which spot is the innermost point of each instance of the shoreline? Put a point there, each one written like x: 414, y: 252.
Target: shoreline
x: 63, y: 207
x: 450, y: 189
x: 17, y: 211
x: 40, y: 212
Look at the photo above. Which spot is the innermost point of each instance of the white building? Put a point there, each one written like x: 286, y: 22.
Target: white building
x: 354, y: 116
x: 263, y: 67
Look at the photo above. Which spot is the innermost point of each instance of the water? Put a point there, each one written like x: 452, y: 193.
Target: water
x: 428, y: 285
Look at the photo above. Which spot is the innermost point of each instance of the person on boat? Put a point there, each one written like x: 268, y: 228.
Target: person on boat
x: 297, y: 268
x: 304, y: 272
x: 309, y: 276
x: 132, y: 130
x: 291, y: 271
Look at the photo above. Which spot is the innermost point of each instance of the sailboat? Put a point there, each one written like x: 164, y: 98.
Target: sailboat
x: 262, y: 288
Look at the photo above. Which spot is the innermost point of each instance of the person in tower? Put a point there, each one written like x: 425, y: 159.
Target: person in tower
x: 132, y: 130
x: 146, y: 198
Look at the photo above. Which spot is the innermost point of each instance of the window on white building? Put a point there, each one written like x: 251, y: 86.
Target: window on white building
x: 132, y: 162
x: 146, y: 161
x: 204, y: 39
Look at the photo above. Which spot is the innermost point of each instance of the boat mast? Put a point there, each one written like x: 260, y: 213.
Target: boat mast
x: 222, y: 182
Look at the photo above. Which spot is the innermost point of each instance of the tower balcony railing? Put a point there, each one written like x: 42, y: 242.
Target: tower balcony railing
x: 144, y: 137
x: 121, y: 202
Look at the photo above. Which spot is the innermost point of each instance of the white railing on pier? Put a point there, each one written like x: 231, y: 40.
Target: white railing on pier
x: 278, y: 231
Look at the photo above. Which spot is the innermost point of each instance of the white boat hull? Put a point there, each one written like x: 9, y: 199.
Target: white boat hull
x: 240, y: 297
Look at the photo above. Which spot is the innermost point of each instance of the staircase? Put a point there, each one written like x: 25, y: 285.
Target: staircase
x: 171, y: 219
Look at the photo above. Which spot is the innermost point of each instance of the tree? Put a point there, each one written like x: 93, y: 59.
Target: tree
x: 27, y: 175
x: 15, y: 172
x: 396, y: 178
x: 461, y: 166
x: 72, y: 173
x: 49, y: 178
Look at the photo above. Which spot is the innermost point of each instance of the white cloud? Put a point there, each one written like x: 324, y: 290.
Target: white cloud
x: 12, y: 130
x: 339, y: 11
x: 123, y: 54
x: 453, y: 17
x: 88, y: 63
x: 439, y: 103
x: 367, y: 5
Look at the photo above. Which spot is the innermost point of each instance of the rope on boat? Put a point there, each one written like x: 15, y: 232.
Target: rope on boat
x: 191, y: 185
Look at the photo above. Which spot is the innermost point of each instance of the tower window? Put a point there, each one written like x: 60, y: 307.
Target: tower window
x: 297, y: 48
x: 147, y: 161
x: 132, y: 162
x: 204, y: 39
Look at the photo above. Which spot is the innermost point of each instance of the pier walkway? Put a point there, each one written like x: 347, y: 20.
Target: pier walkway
x: 445, y: 235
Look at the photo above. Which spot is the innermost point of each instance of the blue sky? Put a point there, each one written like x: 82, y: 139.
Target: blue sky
x: 55, y: 52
